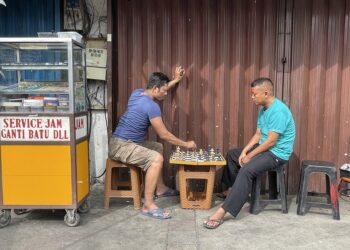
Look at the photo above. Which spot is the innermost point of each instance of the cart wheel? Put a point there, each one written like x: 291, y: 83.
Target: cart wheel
x: 72, y: 218
x: 20, y: 211
x: 5, y: 217
x: 84, y: 207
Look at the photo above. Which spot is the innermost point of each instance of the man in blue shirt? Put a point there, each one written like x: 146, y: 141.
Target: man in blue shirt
x: 128, y: 143
x: 270, y: 147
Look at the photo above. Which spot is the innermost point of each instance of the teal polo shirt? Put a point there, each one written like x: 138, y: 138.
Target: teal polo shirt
x: 279, y: 119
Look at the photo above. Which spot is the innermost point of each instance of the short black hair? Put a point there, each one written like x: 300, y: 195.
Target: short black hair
x: 157, y: 79
x: 260, y: 81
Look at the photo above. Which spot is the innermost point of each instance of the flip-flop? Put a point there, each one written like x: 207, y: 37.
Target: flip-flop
x: 222, y: 195
x: 167, y: 193
x: 212, y: 224
x: 156, y: 213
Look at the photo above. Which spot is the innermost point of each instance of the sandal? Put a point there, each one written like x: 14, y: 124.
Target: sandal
x: 157, y: 213
x: 167, y: 193
x: 224, y: 194
x: 212, y: 224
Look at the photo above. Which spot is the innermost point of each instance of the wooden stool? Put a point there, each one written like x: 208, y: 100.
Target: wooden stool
x: 199, y: 200
x: 112, y: 184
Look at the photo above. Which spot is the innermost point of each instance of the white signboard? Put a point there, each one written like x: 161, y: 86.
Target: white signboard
x: 80, y: 127
x: 18, y: 128
x: 96, y: 57
x: 96, y: 73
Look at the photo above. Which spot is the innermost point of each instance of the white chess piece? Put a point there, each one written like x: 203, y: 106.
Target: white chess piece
x: 3, y: 2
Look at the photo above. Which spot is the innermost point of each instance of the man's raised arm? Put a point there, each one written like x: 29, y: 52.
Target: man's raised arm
x: 179, y: 74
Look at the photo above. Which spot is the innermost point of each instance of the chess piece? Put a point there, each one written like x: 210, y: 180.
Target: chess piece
x: 193, y: 156
x: 212, y: 151
x: 200, y: 155
x: 188, y: 156
x: 206, y: 158
x: 217, y: 155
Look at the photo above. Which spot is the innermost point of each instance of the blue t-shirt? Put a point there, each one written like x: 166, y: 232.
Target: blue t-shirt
x: 279, y: 119
x: 134, y: 123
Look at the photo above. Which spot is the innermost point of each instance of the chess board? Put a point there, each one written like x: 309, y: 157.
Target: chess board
x: 199, y: 157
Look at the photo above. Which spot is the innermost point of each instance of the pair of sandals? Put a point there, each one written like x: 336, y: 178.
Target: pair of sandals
x: 159, y: 213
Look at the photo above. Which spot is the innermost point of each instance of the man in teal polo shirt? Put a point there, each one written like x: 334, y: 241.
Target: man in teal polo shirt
x: 270, y: 147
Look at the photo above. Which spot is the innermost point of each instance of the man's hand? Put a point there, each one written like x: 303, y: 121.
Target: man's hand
x: 240, y: 159
x: 191, y: 145
x: 179, y: 73
x: 245, y: 160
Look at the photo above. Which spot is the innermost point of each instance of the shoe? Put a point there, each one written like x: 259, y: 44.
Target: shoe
x: 157, y: 213
x: 223, y: 194
x: 167, y: 193
x: 212, y: 224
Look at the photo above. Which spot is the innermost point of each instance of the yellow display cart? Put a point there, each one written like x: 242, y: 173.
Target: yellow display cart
x: 43, y: 127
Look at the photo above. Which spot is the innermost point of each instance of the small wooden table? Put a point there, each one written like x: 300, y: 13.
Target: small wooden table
x: 200, y: 170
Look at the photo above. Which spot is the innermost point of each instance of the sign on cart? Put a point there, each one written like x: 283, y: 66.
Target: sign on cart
x: 17, y: 128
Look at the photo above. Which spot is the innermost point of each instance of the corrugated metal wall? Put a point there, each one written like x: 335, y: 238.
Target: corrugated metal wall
x: 320, y: 77
x: 223, y: 46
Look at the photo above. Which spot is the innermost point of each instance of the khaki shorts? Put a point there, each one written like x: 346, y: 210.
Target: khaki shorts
x: 141, y: 155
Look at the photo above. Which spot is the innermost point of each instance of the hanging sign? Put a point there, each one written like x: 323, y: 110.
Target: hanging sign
x: 22, y: 128
x: 80, y: 127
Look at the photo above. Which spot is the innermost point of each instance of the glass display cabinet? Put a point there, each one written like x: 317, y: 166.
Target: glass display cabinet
x: 43, y: 127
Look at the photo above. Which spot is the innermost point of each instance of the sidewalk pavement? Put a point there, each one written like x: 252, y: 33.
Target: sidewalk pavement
x: 122, y: 227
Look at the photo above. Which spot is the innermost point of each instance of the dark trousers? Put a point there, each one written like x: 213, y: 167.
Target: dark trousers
x: 242, y: 177
x: 230, y: 172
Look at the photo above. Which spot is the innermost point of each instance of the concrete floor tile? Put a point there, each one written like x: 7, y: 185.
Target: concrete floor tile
x: 182, y: 247
x: 182, y: 225
x: 182, y: 238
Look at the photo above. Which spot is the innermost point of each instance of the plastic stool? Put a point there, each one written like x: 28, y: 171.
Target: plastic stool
x: 328, y: 168
x: 111, y: 191
x: 257, y: 203
x: 196, y: 200
x: 345, y: 180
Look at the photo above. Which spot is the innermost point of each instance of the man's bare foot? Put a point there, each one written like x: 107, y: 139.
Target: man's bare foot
x: 215, y: 220
x: 161, y: 189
